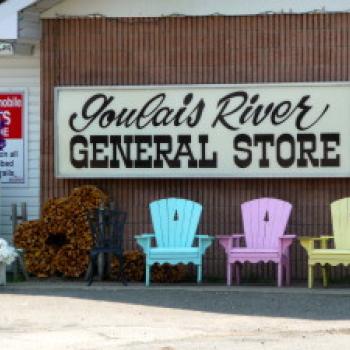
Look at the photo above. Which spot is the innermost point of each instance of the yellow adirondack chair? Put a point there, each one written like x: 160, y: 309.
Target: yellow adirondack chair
x: 340, y: 254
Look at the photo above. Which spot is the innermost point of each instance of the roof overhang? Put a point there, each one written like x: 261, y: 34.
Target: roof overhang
x: 20, y: 25
x: 20, y: 19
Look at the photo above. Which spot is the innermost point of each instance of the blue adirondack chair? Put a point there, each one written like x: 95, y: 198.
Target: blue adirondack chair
x: 175, y: 223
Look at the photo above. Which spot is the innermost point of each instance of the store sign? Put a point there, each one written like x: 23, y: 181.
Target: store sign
x: 265, y: 130
x: 12, y: 156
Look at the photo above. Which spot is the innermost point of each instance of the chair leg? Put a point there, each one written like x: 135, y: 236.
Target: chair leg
x: 280, y: 274
x: 238, y: 273
x: 199, y: 273
x: 92, y: 271
x: 310, y: 276
x: 229, y: 273
x: 325, y: 275
x: 22, y: 266
x: 287, y: 266
x: 122, y: 269
x: 147, y: 279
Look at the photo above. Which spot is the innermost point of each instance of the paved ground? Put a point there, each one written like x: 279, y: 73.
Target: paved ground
x: 59, y: 316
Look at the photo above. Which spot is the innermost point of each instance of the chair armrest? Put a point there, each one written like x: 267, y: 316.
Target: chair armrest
x: 308, y: 243
x: 204, y: 242
x: 227, y: 241
x: 285, y: 242
x: 288, y: 236
x: 145, y: 241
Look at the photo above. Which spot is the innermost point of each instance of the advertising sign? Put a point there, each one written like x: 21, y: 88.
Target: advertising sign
x: 12, y: 156
x: 258, y: 130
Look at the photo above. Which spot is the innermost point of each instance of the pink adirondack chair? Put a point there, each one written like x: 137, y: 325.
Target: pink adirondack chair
x: 264, y: 222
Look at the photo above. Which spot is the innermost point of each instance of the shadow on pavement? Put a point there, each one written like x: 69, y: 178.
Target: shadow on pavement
x: 300, y: 303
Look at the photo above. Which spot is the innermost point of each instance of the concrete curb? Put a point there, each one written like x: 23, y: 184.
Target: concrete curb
x: 343, y: 290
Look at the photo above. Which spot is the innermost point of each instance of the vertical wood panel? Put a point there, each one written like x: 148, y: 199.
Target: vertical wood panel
x: 199, y: 50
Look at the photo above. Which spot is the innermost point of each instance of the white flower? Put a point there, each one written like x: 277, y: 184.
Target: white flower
x: 8, y: 254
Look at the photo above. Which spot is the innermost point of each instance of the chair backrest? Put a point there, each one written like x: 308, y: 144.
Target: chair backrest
x: 175, y: 222
x: 264, y: 221
x: 340, y: 210
x: 107, y: 227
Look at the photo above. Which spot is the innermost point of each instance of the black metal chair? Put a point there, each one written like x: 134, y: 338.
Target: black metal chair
x: 107, y: 227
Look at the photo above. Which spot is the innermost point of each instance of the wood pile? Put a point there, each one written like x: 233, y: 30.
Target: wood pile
x: 71, y: 261
x: 168, y: 273
x: 39, y: 262
x: 135, y: 269
x: 31, y: 235
x: 61, y: 240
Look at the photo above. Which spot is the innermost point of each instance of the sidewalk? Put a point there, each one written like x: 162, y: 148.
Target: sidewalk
x: 69, y: 315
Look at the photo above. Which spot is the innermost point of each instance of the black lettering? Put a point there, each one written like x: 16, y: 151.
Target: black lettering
x: 153, y: 104
x: 304, y: 109
x: 166, y: 113
x: 161, y: 141
x: 125, y: 117
x: 107, y: 118
x: 87, y: 114
x: 96, y: 140
x: 141, y: 141
x: 79, y: 163
x: 326, y: 139
x: 278, y: 115
x: 185, y: 150
x: 204, y: 162
x: 245, y: 139
x: 186, y: 101
x: 264, y: 139
x: 288, y: 161
x: 115, y: 141
x: 195, y: 115
x: 306, y: 152
x: 224, y: 102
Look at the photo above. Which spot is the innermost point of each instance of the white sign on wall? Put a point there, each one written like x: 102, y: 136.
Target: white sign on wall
x: 260, y: 130
x: 13, y: 156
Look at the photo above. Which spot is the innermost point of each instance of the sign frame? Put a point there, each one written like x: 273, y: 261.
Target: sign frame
x: 217, y: 175
x: 25, y: 126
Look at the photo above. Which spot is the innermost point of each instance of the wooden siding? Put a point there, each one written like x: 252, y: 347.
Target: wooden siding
x: 200, y: 50
x: 23, y: 72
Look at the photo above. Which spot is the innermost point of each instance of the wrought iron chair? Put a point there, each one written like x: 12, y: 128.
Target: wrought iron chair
x: 107, y: 227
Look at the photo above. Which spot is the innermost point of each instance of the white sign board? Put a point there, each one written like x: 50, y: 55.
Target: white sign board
x: 265, y: 130
x: 13, y: 157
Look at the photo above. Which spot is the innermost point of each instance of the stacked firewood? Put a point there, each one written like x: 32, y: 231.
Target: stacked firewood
x: 31, y: 235
x: 135, y: 268
x: 60, y: 241
x: 168, y: 273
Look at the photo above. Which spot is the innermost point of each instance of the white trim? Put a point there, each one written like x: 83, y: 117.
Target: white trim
x: 158, y: 8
